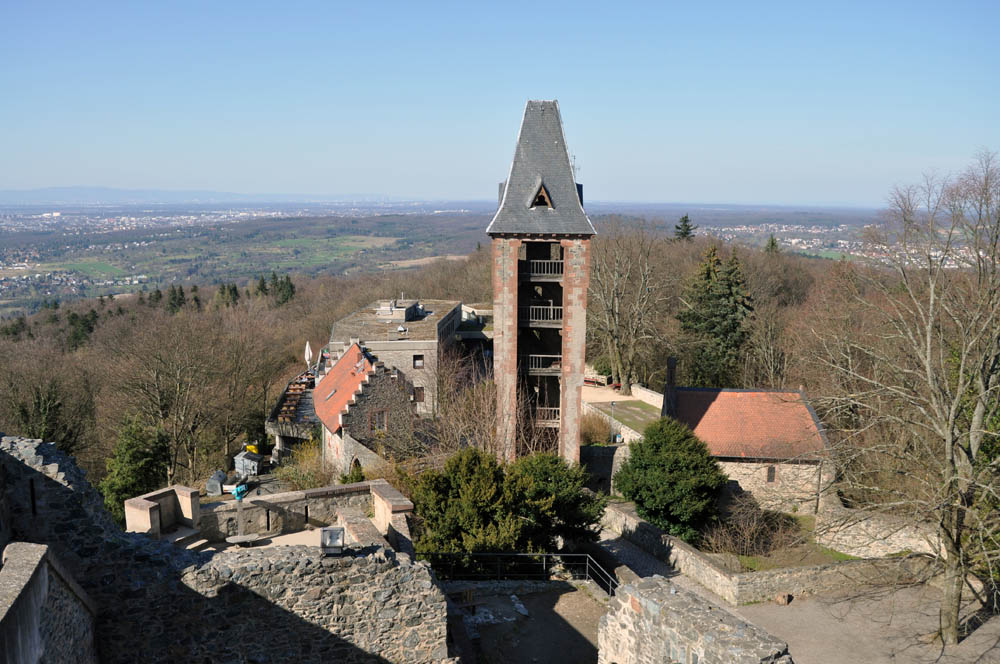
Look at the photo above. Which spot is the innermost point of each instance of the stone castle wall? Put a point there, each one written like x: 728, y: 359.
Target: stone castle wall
x: 170, y: 604
x: 374, y: 602
x: 653, y: 621
x: 44, y: 615
x: 748, y: 587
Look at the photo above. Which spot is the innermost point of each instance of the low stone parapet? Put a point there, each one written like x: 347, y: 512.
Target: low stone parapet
x: 738, y: 588
x: 654, y: 621
x: 159, y: 511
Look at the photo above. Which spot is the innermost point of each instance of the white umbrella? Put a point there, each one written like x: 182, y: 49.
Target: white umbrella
x: 309, y: 353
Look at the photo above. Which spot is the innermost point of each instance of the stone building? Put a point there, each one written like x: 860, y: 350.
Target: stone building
x: 770, y: 442
x: 402, y: 341
x: 359, y: 402
x: 405, y: 335
x: 541, y: 272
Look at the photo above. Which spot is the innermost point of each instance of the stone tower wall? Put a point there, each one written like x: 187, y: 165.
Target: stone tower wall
x: 505, y: 254
x: 576, y: 282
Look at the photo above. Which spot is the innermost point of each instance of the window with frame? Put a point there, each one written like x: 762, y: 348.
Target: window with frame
x: 378, y: 420
x: 418, y: 394
x: 418, y: 361
x: 771, y: 472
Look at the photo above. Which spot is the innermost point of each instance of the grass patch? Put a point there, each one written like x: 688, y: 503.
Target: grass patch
x: 635, y: 414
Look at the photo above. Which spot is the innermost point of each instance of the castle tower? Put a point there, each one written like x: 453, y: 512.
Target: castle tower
x: 541, y: 271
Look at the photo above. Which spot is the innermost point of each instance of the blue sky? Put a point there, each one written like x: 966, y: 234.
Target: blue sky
x: 786, y: 103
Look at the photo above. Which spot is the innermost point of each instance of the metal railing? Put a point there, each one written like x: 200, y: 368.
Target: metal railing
x: 545, y: 268
x: 542, y: 362
x: 541, y: 314
x: 546, y: 414
x: 520, y: 566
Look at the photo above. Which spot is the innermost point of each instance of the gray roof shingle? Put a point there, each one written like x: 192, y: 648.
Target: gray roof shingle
x: 541, y: 158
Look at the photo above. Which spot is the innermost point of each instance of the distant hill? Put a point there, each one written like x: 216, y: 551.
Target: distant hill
x: 112, y: 196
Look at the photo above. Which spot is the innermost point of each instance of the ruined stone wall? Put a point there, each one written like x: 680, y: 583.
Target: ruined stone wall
x: 871, y: 535
x: 399, y: 355
x: 653, y: 622
x: 278, y: 513
x: 375, y: 602
x: 748, y: 587
x: 5, y: 527
x: 44, y: 615
x: 145, y: 606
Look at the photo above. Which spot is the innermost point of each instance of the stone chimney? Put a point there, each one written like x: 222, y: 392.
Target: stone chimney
x: 669, y: 408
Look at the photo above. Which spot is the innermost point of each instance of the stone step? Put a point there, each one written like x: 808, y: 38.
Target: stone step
x: 182, y: 536
x: 197, y: 545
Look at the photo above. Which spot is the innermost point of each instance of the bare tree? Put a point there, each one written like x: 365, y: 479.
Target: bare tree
x: 914, y: 349
x: 626, y: 296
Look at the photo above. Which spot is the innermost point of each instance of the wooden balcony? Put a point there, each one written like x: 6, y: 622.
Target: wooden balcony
x: 540, y: 270
x: 540, y: 316
x: 542, y: 365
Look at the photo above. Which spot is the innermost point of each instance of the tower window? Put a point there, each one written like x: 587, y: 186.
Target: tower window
x: 418, y: 394
x: 770, y: 473
x: 542, y: 198
x: 418, y: 361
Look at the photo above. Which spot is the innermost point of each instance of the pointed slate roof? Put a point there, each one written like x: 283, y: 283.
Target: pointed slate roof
x: 541, y: 159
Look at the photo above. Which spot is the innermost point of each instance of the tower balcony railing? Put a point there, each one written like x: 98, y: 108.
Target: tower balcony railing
x: 542, y: 365
x: 541, y: 314
x: 542, y: 270
x: 546, y: 417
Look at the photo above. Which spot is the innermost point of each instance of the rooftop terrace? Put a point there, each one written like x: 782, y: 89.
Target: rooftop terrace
x: 367, y: 325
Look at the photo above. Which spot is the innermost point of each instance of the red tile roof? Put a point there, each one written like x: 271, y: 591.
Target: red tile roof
x: 751, y: 424
x: 339, y: 386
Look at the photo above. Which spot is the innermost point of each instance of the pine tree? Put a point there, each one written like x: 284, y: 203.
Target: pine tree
x: 138, y: 465
x: 261, y: 286
x: 684, y: 230
x: 772, y: 246
x: 717, y: 321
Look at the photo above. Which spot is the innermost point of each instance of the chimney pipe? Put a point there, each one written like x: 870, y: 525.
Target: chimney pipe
x: 669, y: 408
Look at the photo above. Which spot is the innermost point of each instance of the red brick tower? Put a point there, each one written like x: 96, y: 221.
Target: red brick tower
x: 541, y: 271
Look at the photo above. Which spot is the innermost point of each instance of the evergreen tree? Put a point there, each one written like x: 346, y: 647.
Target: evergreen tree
x: 138, y: 465
x: 195, y: 298
x: 684, y: 229
x: 142, y: 298
x: 261, y: 287
x: 772, y: 246
x: 672, y: 479
x: 717, y: 321
x: 156, y: 297
x: 475, y: 504
x: 284, y: 291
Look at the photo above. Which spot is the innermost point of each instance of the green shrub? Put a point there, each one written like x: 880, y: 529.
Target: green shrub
x: 672, y: 479
x: 356, y: 475
x: 476, y: 505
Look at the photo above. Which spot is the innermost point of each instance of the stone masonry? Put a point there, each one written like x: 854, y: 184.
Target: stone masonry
x: 576, y: 282
x: 170, y: 604
x: 653, y: 621
x: 505, y: 253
